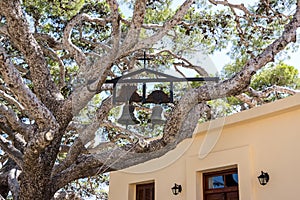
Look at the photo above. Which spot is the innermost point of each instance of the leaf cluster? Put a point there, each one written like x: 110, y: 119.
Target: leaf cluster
x: 280, y: 75
x: 55, y: 8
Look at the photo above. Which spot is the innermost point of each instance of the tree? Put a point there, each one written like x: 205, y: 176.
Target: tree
x: 275, y: 81
x: 53, y: 52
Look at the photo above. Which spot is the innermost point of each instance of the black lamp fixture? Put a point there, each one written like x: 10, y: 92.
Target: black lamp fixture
x: 176, y: 189
x: 263, y: 178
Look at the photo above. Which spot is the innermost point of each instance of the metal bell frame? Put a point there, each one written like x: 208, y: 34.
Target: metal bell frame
x: 157, y: 97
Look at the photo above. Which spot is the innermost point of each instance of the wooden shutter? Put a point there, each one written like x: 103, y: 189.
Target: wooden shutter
x: 145, y: 191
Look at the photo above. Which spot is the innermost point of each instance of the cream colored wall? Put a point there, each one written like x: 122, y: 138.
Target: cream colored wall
x: 264, y: 138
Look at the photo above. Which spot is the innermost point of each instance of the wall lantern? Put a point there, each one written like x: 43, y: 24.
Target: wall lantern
x: 176, y: 189
x: 263, y: 178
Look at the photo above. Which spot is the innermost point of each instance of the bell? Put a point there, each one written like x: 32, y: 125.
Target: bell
x: 127, y: 117
x: 128, y: 93
x: 157, y: 97
x: 157, y: 115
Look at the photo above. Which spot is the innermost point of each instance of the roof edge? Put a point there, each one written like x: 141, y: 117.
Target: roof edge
x: 282, y: 105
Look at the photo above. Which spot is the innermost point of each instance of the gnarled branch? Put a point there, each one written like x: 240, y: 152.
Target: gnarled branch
x: 73, y: 50
x: 115, y: 20
x: 22, y: 38
x: 133, y: 34
x: 275, y: 88
x: 13, y: 182
x: 28, y: 99
x: 176, y: 19
x: 86, y: 135
x: 11, y: 100
x: 12, y: 152
x: 85, y: 165
x: 14, y: 121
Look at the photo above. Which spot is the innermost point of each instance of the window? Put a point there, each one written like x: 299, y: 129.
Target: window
x: 221, y: 185
x: 145, y: 191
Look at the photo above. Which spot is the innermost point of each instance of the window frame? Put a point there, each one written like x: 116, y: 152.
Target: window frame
x: 225, y: 189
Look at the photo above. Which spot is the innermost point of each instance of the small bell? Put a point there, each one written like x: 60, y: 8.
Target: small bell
x: 127, y: 117
x: 157, y: 97
x: 157, y: 115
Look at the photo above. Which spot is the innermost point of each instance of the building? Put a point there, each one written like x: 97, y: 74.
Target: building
x: 224, y: 159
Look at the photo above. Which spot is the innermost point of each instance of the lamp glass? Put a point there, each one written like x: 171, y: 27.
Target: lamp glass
x: 176, y: 189
x: 263, y: 178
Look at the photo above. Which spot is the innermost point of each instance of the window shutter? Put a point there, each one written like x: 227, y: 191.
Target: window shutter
x: 145, y: 191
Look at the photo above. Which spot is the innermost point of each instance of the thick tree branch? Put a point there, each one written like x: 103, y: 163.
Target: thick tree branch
x: 11, y: 100
x: 16, y: 137
x: 39, y: 142
x: 85, y: 165
x: 12, y: 152
x: 72, y: 155
x: 14, y: 121
x: 13, y: 182
x: 186, y: 63
x: 23, y: 39
x: 115, y: 19
x: 4, y: 30
x: 87, y: 134
x: 35, y: 108
x: 50, y: 41
x: 133, y: 34
x: 55, y: 57
x: 79, y: 56
x: 251, y: 102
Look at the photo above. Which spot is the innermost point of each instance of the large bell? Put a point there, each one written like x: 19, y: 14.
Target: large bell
x: 128, y: 93
x: 157, y: 115
x: 127, y: 117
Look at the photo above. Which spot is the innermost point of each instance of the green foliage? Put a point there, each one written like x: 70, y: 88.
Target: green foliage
x: 57, y: 8
x: 231, y: 69
x: 220, y: 108
x: 261, y: 28
x: 275, y: 74
x: 203, y: 30
x: 158, y: 12
x: 280, y: 74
